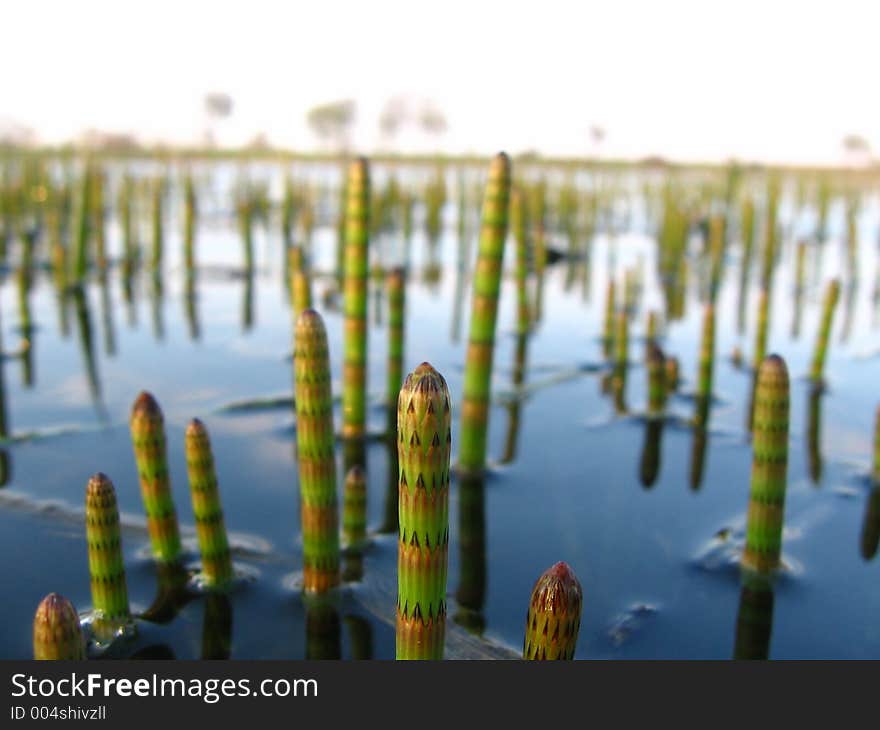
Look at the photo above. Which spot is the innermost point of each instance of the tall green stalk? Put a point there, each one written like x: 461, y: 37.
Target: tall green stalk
x: 148, y: 439
x: 762, y: 329
x: 354, y: 369
x: 423, y: 443
x: 395, y: 284
x: 106, y: 564
x: 315, y: 442
x: 354, y: 508
x: 484, y: 314
x: 554, y: 616
x: 210, y: 528
x: 189, y: 223
x: 829, y: 303
x: 608, y: 329
x: 769, y: 468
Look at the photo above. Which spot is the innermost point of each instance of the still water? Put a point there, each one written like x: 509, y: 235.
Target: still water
x: 657, y: 555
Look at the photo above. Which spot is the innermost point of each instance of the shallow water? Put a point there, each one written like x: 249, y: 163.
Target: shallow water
x: 658, y: 563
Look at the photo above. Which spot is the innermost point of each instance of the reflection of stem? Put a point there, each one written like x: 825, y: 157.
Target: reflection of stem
x: 323, y: 631
x: 27, y: 327
x: 4, y: 423
x: 190, y: 306
x: 390, y: 521
x: 754, y: 620
x: 471, y: 593
x: 701, y: 438
x: 85, y: 339
x: 217, y: 629
x: 360, y: 633
x: 247, y: 303
x: 814, y: 434
x: 107, y: 316
x: 649, y: 466
x: 519, y: 373
x: 156, y: 301
x: 871, y: 526
x: 172, y: 594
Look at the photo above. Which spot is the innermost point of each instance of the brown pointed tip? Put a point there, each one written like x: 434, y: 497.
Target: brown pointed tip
x: 500, y: 166
x: 355, y: 474
x: 426, y: 380
x: 56, y: 610
x: 774, y: 370
x: 557, y: 590
x: 196, y: 428
x: 100, y: 486
x: 309, y: 318
x: 358, y: 169
x: 146, y: 403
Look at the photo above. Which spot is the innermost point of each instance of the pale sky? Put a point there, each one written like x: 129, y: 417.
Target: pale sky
x: 778, y: 81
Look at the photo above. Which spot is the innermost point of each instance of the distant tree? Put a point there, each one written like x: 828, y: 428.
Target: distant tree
x: 856, y: 148
x: 392, y: 118
x: 431, y: 119
x: 332, y: 122
x: 217, y: 106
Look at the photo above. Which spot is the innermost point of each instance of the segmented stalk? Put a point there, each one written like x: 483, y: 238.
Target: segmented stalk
x: 354, y: 370
x: 57, y: 633
x: 754, y: 620
x: 707, y: 353
x: 300, y: 282
x: 519, y: 224
x: 189, y: 223
x: 484, y: 314
x: 207, y: 509
x: 554, y: 616
x: 148, y: 439
x: 315, y: 454
x: 761, y: 331
x: 769, y: 466
x: 106, y: 565
x: 423, y: 442
x: 608, y: 330
x: 158, y: 235
x: 354, y: 508
x: 829, y: 303
x: 395, y: 283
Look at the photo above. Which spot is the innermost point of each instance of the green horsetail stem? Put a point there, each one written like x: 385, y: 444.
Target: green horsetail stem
x: 106, y: 565
x: 554, y: 616
x: 762, y: 329
x: 189, y: 222
x: 315, y: 443
x: 354, y: 508
x: 300, y: 282
x: 98, y: 219
x: 354, y: 370
x: 610, y: 308
x: 246, y: 206
x: 754, y: 619
x: 769, y: 466
x: 81, y: 242
x: 158, y: 234
x: 519, y: 224
x: 651, y: 328
x: 707, y: 353
x: 424, y: 440
x: 829, y: 303
x: 148, y: 439
x: 57, y: 633
x: 484, y: 315
x: 395, y: 283
x: 208, y: 512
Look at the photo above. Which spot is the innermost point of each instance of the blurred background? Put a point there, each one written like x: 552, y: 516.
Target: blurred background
x: 693, y: 81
